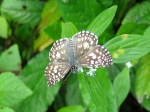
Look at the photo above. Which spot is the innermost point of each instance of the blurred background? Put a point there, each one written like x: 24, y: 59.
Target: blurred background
x: 28, y: 29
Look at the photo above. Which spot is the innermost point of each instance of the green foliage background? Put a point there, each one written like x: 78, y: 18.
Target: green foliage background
x: 28, y: 29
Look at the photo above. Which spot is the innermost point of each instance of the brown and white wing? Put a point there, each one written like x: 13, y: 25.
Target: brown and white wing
x: 56, y: 71
x: 58, y: 51
x: 97, y: 56
x: 83, y: 41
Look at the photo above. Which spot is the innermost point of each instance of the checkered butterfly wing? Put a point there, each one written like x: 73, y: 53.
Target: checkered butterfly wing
x: 97, y: 56
x: 58, y: 51
x: 88, y: 53
x: 59, y: 65
x: 55, y: 71
x: 83, y: 41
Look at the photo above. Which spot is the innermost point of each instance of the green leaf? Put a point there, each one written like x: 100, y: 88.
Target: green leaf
x: 79, y: 12
x: 101, y: 22
x: 68, y: 30
x: 106, y: 2
x: 146, y: 103
x: 12, y: 90
x: 4, y: 28
x: 99, y: 90
x: 33, y: 76
x: 146, y: 33
x: 132, y: 28
x: 10, y: 59
x: 73, y: 96
x: 142, y: 79
x: 53, y: 31
x: 128, y: 47
x: 22, y: 11
x: 76, y: 108
x: 122, y: 85
x: 6, y: 109
x: 85, y: 94
x: 139, y: 14
x: 50, y: 16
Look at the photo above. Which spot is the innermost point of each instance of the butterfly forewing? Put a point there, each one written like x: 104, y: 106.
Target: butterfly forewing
x: 59, y: 51
x: 97, y: 56
x: 83, y: 41
x: 56, y: 71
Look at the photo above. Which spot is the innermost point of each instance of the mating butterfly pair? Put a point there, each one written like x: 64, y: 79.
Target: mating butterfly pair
x: 80, y: 51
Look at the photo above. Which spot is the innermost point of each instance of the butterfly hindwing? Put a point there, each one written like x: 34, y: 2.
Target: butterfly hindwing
x: 97, y: 56
x: 56, y: 71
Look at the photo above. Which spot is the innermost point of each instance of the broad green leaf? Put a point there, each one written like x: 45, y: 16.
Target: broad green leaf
x: 101, y: 22
x: 79, y: 12
x: 10, y: 59
x: 53, y: 31
x: 128, y: 47
x: 147, y: 32
x: 22, y: 11
x: 131, y: 28
x: 6, y: 109
x: 85, y: 93
x: 68, y: 30
x: 33, y: 76
x: 139, y: 13
x: 97, y: 94
x: 75, y: 108
x: 4, y: 28
x: 142, y: 79
x: 12, y: 90
x: 99, y: 90
x: 122, y: 85
x: 73, y: 96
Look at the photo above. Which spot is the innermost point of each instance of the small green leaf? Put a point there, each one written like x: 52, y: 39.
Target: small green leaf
x: 10, y: 59
x: 142, y: 79
x: 6, y: 109
x: 68, y: 30
x: 22, y: 11
x: 12, y: 90
x: 101, y: 22
x: 33, y: 76
x: 4, y: 28
x: 139, y: 14
x: 128, y: 47
x: 74, y: 108
x: 122, y: 85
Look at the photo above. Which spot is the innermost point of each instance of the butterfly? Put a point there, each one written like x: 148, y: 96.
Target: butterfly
x: 70, y: 54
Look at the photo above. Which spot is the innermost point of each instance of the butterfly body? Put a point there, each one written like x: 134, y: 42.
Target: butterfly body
x: 81, y: 51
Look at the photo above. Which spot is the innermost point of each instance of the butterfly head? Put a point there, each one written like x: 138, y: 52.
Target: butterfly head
x: 74, y: 69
